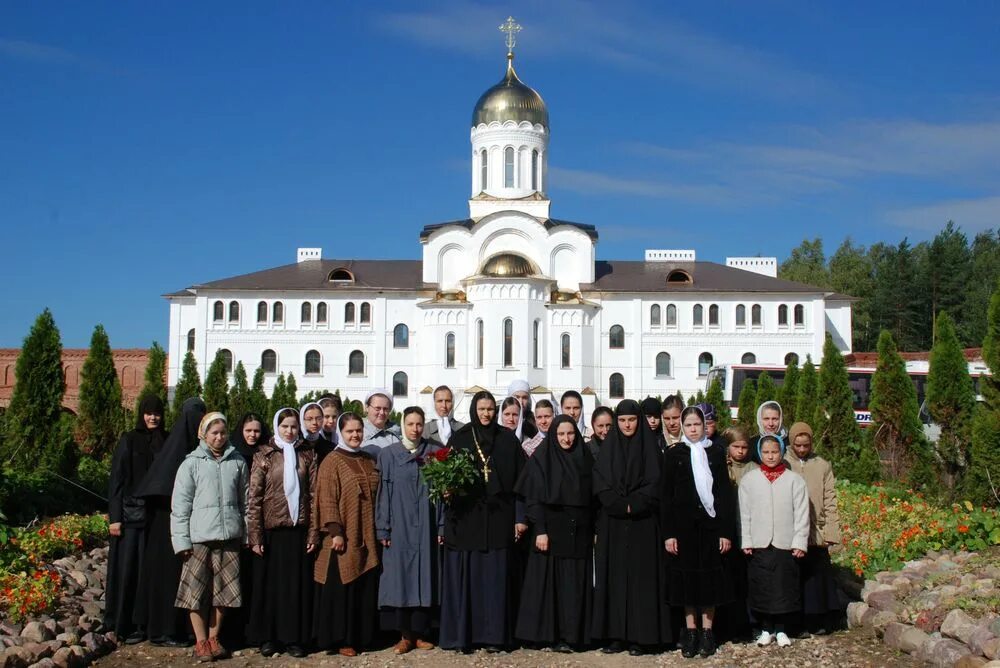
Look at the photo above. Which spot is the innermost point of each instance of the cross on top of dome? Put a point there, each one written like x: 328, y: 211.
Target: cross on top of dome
x: 511, y: 27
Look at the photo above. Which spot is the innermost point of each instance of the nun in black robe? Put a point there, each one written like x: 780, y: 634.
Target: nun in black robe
x: 557, y: 594
x: 629, y: 607
x: 160, y: 574
x: 479, y: 583
x: 132, y: 458
x: 651, y: 406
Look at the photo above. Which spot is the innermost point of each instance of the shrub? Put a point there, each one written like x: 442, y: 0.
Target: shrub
x: 28, y: 594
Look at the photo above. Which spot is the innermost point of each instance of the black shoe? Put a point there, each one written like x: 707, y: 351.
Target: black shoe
x: 296, y: 651
x: 689, y: 643
x: 269, y: 649
x: 707, y: 646
x: 635, y: 650
x: 493, y: 649
x: 176, y: 642
x: 613, y: 648
x: 135, y: 638
x: 563, y: 648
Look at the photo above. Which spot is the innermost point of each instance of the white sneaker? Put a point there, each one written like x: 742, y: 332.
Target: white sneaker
x: 783, y: 640
x: 764, y: 639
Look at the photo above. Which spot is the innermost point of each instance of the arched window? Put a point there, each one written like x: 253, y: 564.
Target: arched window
x: 508, y: 342
x: 679, y: 276
x: 400, y: 384
x: 218, y: 312
x: 261, y: 313
x: 307, y: 312
x: 366, y: 313
x: 534, y: 169
x: 564, y: 351
x: 341, y: 275
x: 536, y: 343
x: 278, y: 312
x: 755, y: 315
x: 484, y: 175
x: 321, y: 313
x: 671, y: 315
x: 654, y: 315
x: 616, y: 386
x: 741, y: 315
x: 713, y: 315
x: 449, y: 350
x: 349, y: 313
x: 508, y: 167
x: 704, y: 364
x: 313, y: 362
x: 791, y: 358
x: 356, y: 363
x: 269, y: 361
x: 401, y: 336
x: 699, y: 315
x: 800, y: 314
x: 234, y: 311
x: 190, y: 340
x: 663, y: 365
x: 616, y: 337
x: 783, y: 315
x: 227, y: 359
x: 480, y: 348
x: 748, y: 358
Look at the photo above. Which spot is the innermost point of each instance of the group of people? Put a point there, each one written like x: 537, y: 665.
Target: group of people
x: 637, y: 532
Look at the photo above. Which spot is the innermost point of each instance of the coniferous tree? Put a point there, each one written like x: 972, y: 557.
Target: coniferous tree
x: 765, y: 391
x: 746, y: 415
x: 279, y: 396
x: 806, y: 264
x: 292, y: 390
x: 680, y: 395
x: 32, y: 430
x: 153, y: 380
x: 699, y: 398
x: 692, y: 400
x: 983, y: 274
x: 836, y: 428
x: 239, y: 394
x: 805, y: 403
x: 851, y: 274
x: 258, y: 397
x: 982, y: 481
x: 788, y: 393
x: 188, y: 385
x: 100, y: 414
x: 896, y: 431
x: 217, y: 385
x: 717, y: 399
x: 951, y: 399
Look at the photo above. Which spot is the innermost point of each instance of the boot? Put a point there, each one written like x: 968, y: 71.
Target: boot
x: 689, y: 643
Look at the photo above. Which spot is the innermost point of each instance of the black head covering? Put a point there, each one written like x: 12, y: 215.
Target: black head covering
x: 240, y: 443
x: 484, y: 434
x: 556, y: 476
x: 159, y: 481
x: 651, y: 406
x: 143, y: 436
x: 150, y: 404
x: 626, y: 464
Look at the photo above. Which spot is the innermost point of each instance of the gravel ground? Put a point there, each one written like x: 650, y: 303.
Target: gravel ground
x: 844, y: 650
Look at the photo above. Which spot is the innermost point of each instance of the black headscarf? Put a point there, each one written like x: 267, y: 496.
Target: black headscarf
x: 240, y: 443
x: 555, y: 476
x: 626, y: 464
x: 651, y: 406
x: 485, y: 434
x: 143, y: 436
x: 498, y: 445
x: 159, y: 481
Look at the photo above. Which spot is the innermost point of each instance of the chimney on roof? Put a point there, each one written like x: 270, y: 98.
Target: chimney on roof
x: 307, y: 254
x: 669, y: 256
x: 765, y: 266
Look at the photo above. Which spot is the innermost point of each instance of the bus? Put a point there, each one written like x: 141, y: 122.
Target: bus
x: 861, y: 368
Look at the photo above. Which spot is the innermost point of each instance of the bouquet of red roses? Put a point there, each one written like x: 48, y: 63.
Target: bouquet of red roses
x: 448, y: 474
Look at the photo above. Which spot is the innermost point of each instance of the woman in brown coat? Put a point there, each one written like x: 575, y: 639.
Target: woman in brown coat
x: 282, y: 481
x: 347, y: 567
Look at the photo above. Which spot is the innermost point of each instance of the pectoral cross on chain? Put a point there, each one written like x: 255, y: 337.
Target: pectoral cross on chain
x: 486, y: 471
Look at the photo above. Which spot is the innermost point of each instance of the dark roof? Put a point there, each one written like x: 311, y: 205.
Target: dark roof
x: 314, y: 274
x: 638, y: 276
x: 548, y: 223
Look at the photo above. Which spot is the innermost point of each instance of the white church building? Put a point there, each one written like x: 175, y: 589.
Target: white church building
x: 507, y: 293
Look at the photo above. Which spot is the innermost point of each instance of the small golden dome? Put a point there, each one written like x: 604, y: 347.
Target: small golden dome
x: 508, y: 264
x: 510, y: 100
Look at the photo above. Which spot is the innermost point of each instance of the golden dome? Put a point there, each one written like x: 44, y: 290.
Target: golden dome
x: 510, y: 100
x: 508, y: 264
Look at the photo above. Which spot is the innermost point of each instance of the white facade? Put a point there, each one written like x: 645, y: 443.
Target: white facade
x: 507, y: 294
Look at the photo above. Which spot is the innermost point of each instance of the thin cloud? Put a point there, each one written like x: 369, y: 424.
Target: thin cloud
x: 598, y: 183
x: 974, y: 215
x: 44, y: 54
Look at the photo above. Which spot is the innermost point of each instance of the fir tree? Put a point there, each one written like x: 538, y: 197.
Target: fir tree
x: 279, y: 396
x: 153, y: 380
x: 692, y: 400
x: 217, y: 385
x: 982, y: 482
x: 951, y: 398
x: 788, y: 393
x: 765, y: 391
x: 258, y: 398
x: 838, y: 435
x: 239, y: 394
x: 805, y: 402
x: 188, y: 385
x: 746, y: 415
x: 896, y: 430
x: 100, y: 414
x: 716, y: 398
x: 32, y: 431
x: 680, y: 395
x: 292, y: 390
x: 699, y: 398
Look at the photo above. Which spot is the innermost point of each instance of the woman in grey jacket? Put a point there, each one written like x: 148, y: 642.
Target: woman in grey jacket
x: 207, y: 529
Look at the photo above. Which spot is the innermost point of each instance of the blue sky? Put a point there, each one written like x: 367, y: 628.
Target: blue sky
x: 149, y: 146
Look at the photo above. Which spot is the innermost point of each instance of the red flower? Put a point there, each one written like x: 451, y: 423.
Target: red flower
x: 443, y: 454
x: 963, y: 529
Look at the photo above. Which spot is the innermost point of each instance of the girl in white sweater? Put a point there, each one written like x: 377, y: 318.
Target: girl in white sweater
x: 774, y: 516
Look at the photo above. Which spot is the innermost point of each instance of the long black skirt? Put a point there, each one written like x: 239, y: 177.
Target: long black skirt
x: 124, y: 563
x: 820, y: 592
x: 732, y: 619
x: 159, y: 577
x: 475, y: 598
x: 556, y: 600
x: 773, y: 578
x: 281, y: 610
x: 697, y: 578
x: 234, y: 630
x: 418, y: 621
x: 346, y: 614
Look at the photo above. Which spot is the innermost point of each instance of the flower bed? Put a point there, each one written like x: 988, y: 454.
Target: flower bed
x: 883, y: 528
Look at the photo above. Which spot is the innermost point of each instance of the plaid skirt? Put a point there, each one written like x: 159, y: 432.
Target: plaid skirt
x: 211, y: 577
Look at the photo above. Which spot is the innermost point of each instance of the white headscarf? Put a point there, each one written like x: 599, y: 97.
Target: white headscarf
x: 520, y: 416
x: 699, y: 465
x: 379, y: 390
x: 302, y: 422
x: 341, y: 443
x: 290, y: 477
x: 781, y: 418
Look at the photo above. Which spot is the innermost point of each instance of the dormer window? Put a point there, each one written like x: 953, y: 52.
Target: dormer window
x: 340, y: 275
x: 679, y: 276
